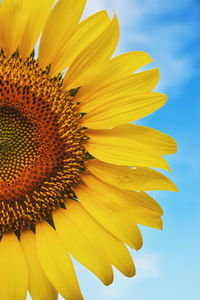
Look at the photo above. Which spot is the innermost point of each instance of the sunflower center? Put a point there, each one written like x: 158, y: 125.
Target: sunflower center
x: 18, y: 145
x: 41, y: 144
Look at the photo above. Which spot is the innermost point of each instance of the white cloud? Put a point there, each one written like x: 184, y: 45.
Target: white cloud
x: 111, y: 292
x: 148, y: 266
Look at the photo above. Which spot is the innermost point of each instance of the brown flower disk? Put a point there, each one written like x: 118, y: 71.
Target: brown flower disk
x: 41, y: 144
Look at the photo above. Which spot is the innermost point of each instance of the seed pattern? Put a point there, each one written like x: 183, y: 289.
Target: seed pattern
x: 18, y: 145
x: 41, y: 144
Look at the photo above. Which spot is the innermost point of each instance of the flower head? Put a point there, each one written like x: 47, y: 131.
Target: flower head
x: 73, y: 170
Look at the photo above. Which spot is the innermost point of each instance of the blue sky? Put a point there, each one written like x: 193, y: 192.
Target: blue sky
x: 169, y: 263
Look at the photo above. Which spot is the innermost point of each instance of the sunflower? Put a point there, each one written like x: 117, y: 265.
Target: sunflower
x: 74, y: 170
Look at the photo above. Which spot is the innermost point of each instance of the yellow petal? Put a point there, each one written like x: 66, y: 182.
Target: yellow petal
x: 13, y: 20
x: 126, y: 86
x: 111, y: 247
x: 60, y: 24
x: 119, y: 219
x: 39, y: 286
x: 86, y: 251
x: 138, y: 201
x: 137, y: 178
x: 56, y: 262
x: 137, y: 207
x: 38, y: 15
x: 86, y: 32
x: 122, y: 228
x: 115, y: 109
x: 117, y: 147
x: 90, y: 59
x: 14, y: 274
x: 114, y: 70
x: 148, y: 138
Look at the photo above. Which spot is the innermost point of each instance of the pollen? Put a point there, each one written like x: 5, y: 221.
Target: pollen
x: 41, y: 144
